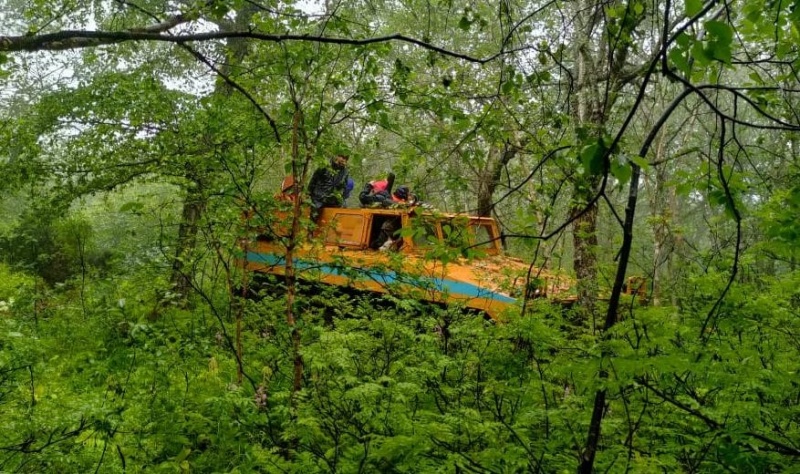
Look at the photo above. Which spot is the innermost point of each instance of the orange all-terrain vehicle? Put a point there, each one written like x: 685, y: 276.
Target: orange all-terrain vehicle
x: 449, y: 259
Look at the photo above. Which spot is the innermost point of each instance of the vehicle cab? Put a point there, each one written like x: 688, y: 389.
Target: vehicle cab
x: 414, y: 231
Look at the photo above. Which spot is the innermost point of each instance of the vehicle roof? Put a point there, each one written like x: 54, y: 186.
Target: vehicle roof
x: 405, y: 210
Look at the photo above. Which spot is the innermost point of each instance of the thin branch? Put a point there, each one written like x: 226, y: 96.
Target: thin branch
x: 714, y: 424
x: 54, y: 437
x: 236, y: 86
x: 711, y: 317
x: 527, y: 17
x: 533, y: 172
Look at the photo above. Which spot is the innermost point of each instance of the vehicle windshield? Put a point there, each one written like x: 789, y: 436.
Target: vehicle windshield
x: 472, y: 235
x: 484, y: 236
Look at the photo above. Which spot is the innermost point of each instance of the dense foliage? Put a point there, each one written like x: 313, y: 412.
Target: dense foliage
x: 412, y: 390
x: 608, y: 139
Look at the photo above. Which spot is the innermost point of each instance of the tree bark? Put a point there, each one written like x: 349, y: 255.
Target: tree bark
x: 584, y: 261
x: 196, y: 201
x: 597, y: 80
x: 291, y: 278
x: 588, y: 118
x: 489, y: 179
x: 662, y: 212
x: 194, y: 205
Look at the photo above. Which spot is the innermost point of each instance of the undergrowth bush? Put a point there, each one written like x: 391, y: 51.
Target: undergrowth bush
x: 390, y: 385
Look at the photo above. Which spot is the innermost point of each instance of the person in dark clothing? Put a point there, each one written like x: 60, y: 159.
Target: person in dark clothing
x: 348, y: 189
x: 328, y: 185
x: 377, y: 193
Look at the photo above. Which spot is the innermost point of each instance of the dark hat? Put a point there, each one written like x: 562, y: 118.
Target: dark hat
x: 402, y: 192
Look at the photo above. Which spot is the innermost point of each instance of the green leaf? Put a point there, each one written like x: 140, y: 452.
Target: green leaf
x: 375, y: 106
x: 219, y: 9
x: 384, y: 121
x: 183, y: 455
x: 677, y: 57
x: 693, y: 7
x: 339, y: 106
x: 700, y: 55
x: 784, y: 49
x: 592, y: 157
x: 720, y: 52
x: 719, y: 42
x: 621, y: 170
x: 544, y: 76
x: 464, y: 24
x: 719, y: 30
x: 640, y: 162
x: 683, y: 189
x: 717, y: 197
x: 684, y: 40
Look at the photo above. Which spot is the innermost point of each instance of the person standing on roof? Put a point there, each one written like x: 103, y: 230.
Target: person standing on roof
x: 348, y: 189
x: 377, y: 193
x: 328, y: 185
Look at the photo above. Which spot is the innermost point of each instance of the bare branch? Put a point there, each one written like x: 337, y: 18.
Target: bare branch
x: 75, y: 39
x: 63, y: 40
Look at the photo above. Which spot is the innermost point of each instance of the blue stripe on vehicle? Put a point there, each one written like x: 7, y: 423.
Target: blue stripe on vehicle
x: 386, y: 277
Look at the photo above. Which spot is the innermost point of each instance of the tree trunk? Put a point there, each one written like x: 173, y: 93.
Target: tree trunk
x: 194, y: 206
x: 584, y: 242
x: 490, y: 176
x: 587, y: 108
x: 196, y: 200
x: 661, y: 211
x: 596, y: 83
x: 487, y: 185
x: 291, y: 279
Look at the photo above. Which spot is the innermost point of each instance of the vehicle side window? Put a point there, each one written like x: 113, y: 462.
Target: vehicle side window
x: 425, y: 234
x: 455, y: 234
x: 484, y: 238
